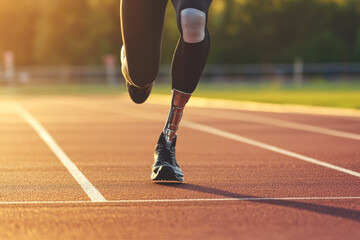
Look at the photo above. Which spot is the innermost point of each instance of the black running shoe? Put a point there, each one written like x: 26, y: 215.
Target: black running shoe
x: 165, y: 166
x: 139, y: 95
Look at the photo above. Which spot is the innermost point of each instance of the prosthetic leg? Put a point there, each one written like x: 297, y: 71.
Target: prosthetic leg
x: 188, y: 64
x: 166, y: 166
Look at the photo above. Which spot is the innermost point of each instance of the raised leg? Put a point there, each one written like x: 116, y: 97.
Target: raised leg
x: 142, y: 23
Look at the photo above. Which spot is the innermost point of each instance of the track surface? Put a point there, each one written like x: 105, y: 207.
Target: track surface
x: 232, y: 189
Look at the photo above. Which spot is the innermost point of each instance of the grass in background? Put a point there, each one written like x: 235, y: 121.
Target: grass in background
x: 330, y: 94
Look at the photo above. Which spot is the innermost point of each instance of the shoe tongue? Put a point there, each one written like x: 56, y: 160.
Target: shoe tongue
x: 168, y: 144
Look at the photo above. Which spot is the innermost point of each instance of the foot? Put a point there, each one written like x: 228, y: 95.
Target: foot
x: 138, y: 95
x: 165, y: 167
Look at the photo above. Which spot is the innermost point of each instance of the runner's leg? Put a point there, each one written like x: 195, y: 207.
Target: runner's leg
x: 188, y: 65
x: 142, y: 23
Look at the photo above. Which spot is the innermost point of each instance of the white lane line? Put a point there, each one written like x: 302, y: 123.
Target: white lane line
x: 228, y: 135
x: 187, y: 200
x: 286, y: 124
x: 90, y: 190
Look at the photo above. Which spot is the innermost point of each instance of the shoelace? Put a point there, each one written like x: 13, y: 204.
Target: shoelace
x: 166, y: 156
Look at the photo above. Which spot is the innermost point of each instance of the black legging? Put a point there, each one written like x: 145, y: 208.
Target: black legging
x: 142, y: 24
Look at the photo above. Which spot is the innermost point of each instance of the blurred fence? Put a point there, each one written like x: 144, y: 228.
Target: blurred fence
x: 296, y: 72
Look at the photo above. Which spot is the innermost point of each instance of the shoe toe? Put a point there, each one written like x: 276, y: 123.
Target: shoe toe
x: 139, y: 95
x: 167, y: 173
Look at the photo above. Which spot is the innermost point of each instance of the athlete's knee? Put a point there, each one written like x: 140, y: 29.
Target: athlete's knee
x: 144, y: 77
x: 193, y: 25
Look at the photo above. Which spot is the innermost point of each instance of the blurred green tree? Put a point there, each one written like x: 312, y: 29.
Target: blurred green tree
x: 75, y: 32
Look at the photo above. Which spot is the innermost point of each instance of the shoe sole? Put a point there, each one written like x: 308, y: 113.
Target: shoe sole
x: 166, y: 173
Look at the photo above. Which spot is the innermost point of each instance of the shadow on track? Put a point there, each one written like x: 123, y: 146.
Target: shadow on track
x: 311, y: 207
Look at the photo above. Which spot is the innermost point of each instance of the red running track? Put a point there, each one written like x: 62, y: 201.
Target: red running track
x: 232, y: 189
